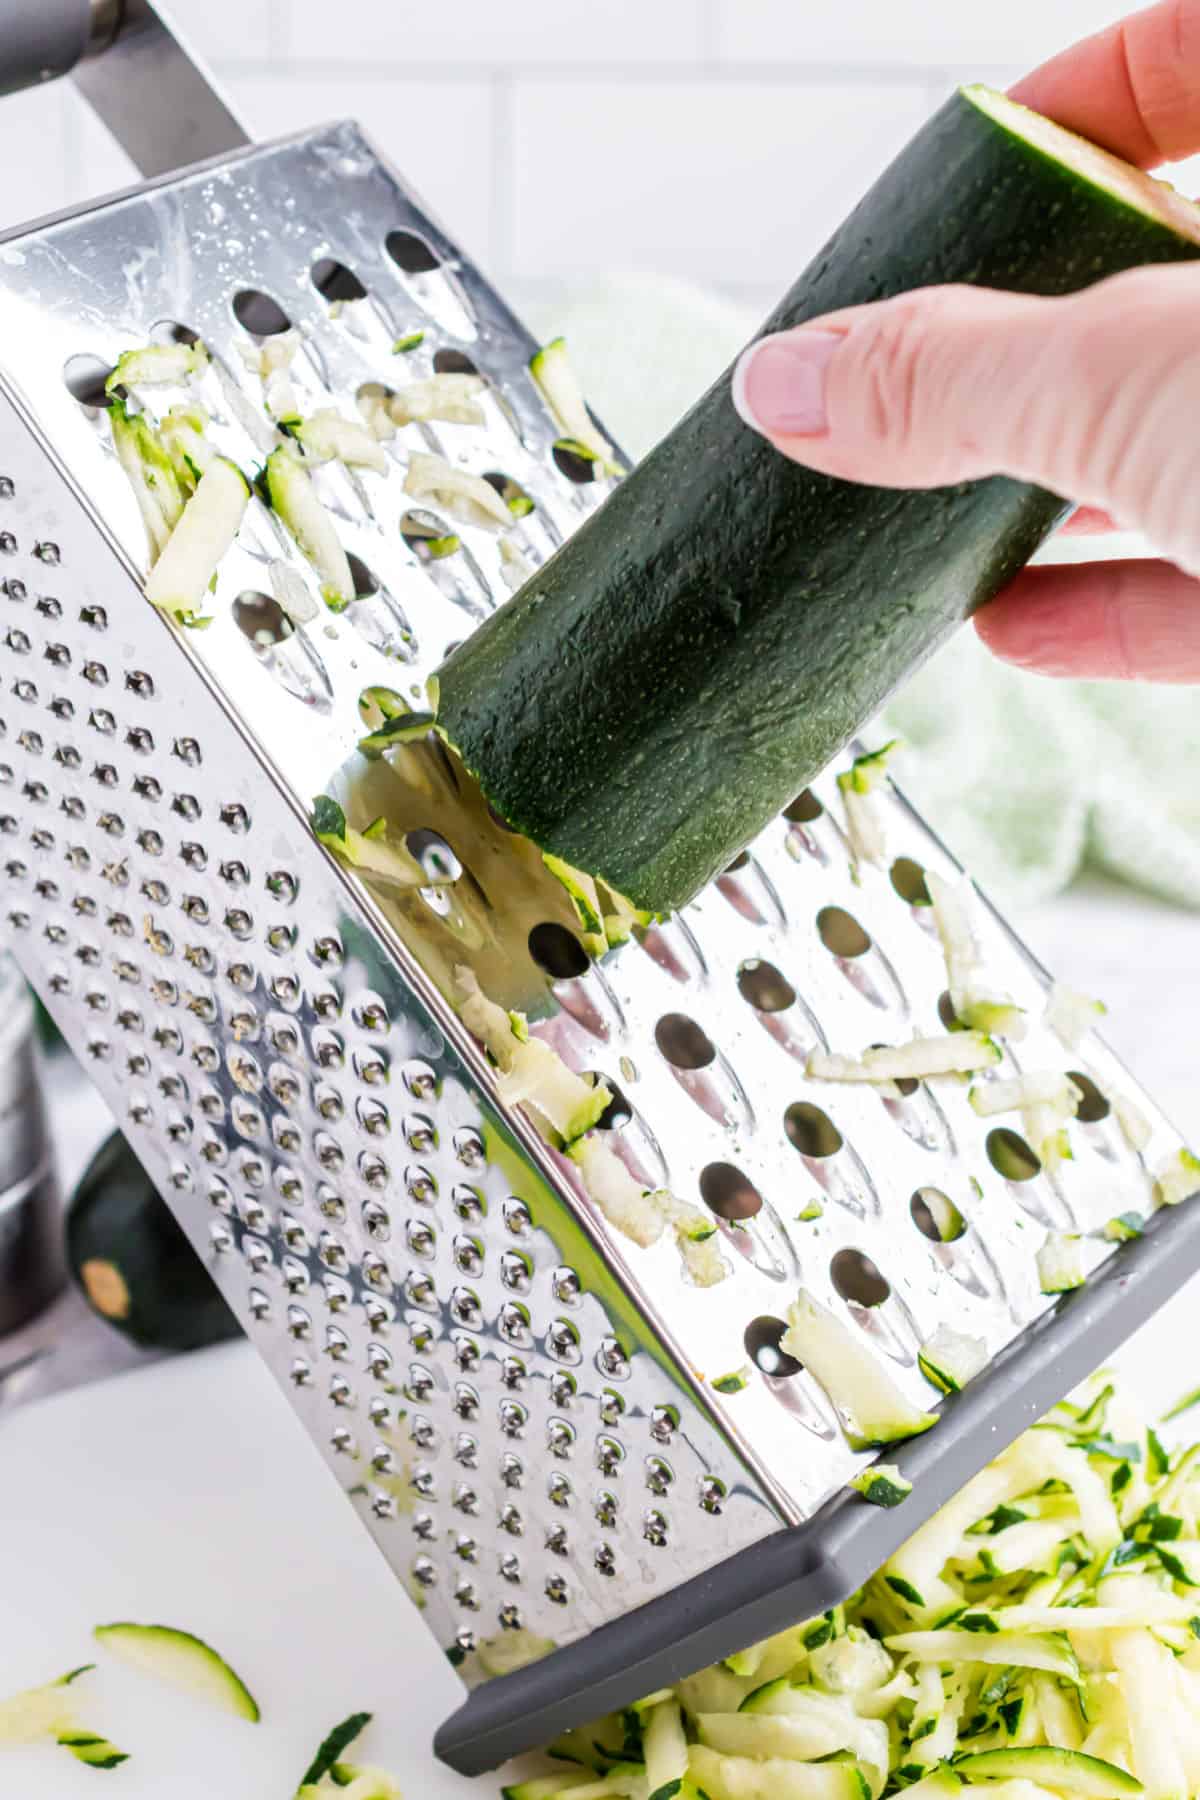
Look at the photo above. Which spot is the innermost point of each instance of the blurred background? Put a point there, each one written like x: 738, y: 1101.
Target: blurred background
x: 716, y: 140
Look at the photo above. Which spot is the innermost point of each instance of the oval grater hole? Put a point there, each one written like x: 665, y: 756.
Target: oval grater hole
x: 434, y: 855
x: 763, y: 1338
x: 172, y: 331
x: 1011, y: 1156
x: 810, y: 1130
x: 1094, y: 1106
x: 558, y: 952
x: 573, y: 464
x: 259, y: 314
x: 429, y: 539
x: 453, y: 362
x: 936, y: 1217
x: 335, y: 282
x: 729, y: 1194
x: 946, y: 1012
x: 412, y: 253
x: 518, y: 500
x: 85, y: 377
x: 618, y: 1113
x: 908, y: 879
x: 855, y: 1277
x: 261, y: 619
x: 764, y: 987
x: 366, y: 582
x: 841, y: 933
x: 684, y: 1043
x: 803, y: 809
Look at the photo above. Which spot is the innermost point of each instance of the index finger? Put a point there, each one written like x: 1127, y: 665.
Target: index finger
x: 1134, y: 88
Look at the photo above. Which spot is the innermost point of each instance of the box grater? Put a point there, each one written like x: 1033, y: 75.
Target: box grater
x: 518, y: 1402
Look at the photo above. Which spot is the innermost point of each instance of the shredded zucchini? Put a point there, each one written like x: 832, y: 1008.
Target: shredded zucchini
x: 291, y: 494
x: 872, y: 1408
x: 452, y: 398
x: 978, y: 1005
x: 552, y: 371
x: 180, y: 580
x: 1071, y: 1015
x: 1060, y: 1263
x: 157, y: 365
x: 860, y: 786
x: 468, y: 498
x: 367, y: 850
x: 327, y: 437
x: 1178, y: 1179
x: 957, y: 1052
x: 949, y: 1359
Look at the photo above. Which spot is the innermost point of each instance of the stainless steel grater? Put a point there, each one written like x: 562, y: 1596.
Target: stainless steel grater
x: 519, y: 1403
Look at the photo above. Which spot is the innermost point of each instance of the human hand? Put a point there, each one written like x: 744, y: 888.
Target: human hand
x: 1095, y: 396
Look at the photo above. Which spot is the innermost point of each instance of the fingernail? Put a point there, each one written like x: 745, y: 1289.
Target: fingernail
x: 779, y: 383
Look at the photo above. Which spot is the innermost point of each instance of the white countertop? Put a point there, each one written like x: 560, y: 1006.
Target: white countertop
x: 187, y: 1494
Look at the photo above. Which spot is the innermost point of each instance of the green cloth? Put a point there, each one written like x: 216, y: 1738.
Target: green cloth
x: 1026, y: 778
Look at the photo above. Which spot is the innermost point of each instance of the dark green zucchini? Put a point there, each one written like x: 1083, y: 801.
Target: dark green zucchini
x: 720, y: 628
x: 133, y: 1263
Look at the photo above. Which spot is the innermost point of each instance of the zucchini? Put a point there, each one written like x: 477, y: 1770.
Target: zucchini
x: 180, y: 580
x: 720, y: 628
x: 865, y: 825
x: 149, y: 467
x: 872, y: 1407
x: 134, y: 1263
x: 182, y: 1661
x: 1069, y: 1771
x: 665, y: 1747
x: 1178, y: 1179
x: 157, y: 365
x: 327, y: 437
x: 950, y: 1359
x: 882, y: 1484
x: 330, y: 1750
x: 1071, y: 1015
x: 293, y: 498
x: 1060, y: 1264
x: 774, y: 1778
x: 467, y: 498
x: 954, y: 1053
x: 94, y: 1752
x: 554, y: 374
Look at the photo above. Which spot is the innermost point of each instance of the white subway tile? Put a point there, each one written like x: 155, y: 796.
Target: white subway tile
x: 438, y: 134
x: 637, y: 32
x: 729, y: 182
x: 1022, y: 32
x: 35, y: 154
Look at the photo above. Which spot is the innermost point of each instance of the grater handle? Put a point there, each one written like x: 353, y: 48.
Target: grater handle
x: 126, y: 60
x: 41, y: 39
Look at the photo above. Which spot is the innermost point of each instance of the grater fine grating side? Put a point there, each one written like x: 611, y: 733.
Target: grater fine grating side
x: 518, y: 1402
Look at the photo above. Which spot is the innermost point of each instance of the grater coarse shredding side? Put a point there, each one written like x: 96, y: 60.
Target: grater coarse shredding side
x: 519, y: 1403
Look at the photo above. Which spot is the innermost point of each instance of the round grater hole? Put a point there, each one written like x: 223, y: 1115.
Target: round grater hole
x: 618, y: 1113
x: 1094, y: 1106
x: 762, y: 986
x: 856, y: 1278
x: 729, y: 1194
x: 935, y: 1215
x: 86, y: 377
x: 683, y: 1043
x: 763, y: 1339
x: 841, y: 933
x: 335, y: 282
x: 517, y: 499
x: 558, y: 952
x: 259, y: 314
x: 1011, y: 1156
x: 171, y: 331
x: 810, y: 1130
x: 908, y: 879
x: 434, y: 854
x: 366, y: 582
x: 453, y: 362
x: 803, y: 809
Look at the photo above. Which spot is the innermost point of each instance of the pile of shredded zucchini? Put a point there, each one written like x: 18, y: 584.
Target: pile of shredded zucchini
x: 1040, y: 1635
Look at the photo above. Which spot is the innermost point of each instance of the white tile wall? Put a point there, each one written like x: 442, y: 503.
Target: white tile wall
x: 564, y: 139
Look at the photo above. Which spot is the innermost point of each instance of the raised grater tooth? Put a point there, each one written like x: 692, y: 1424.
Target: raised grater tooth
x: 523, y: 1408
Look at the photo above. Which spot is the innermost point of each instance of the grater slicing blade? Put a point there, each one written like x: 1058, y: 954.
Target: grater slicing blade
x: 518, y: 1403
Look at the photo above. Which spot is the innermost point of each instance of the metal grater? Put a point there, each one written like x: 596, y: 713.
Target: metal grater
x: 518, y: 1403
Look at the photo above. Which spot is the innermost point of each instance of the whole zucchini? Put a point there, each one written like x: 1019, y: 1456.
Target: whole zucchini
x: 133, y: 1262
x: 721, y: 627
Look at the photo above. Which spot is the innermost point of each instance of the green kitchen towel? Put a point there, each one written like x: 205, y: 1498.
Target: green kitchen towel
x: 1025, y: 777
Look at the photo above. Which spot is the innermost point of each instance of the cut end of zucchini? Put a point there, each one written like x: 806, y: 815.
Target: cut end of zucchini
x: 181, y: 1660
x: 949, y: 1359
x: 1144, y: 193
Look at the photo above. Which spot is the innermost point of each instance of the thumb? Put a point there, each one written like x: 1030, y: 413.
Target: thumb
x: 1094, y: 395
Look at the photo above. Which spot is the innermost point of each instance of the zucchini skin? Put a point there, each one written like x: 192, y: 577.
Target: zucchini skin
x: 704, y: 644
x: 159, y: 1293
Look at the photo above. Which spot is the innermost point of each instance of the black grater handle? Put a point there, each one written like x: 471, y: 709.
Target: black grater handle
x: 42, y: 39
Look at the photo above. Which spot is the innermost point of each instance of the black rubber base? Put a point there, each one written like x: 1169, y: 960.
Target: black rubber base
x: 795, y: 1574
